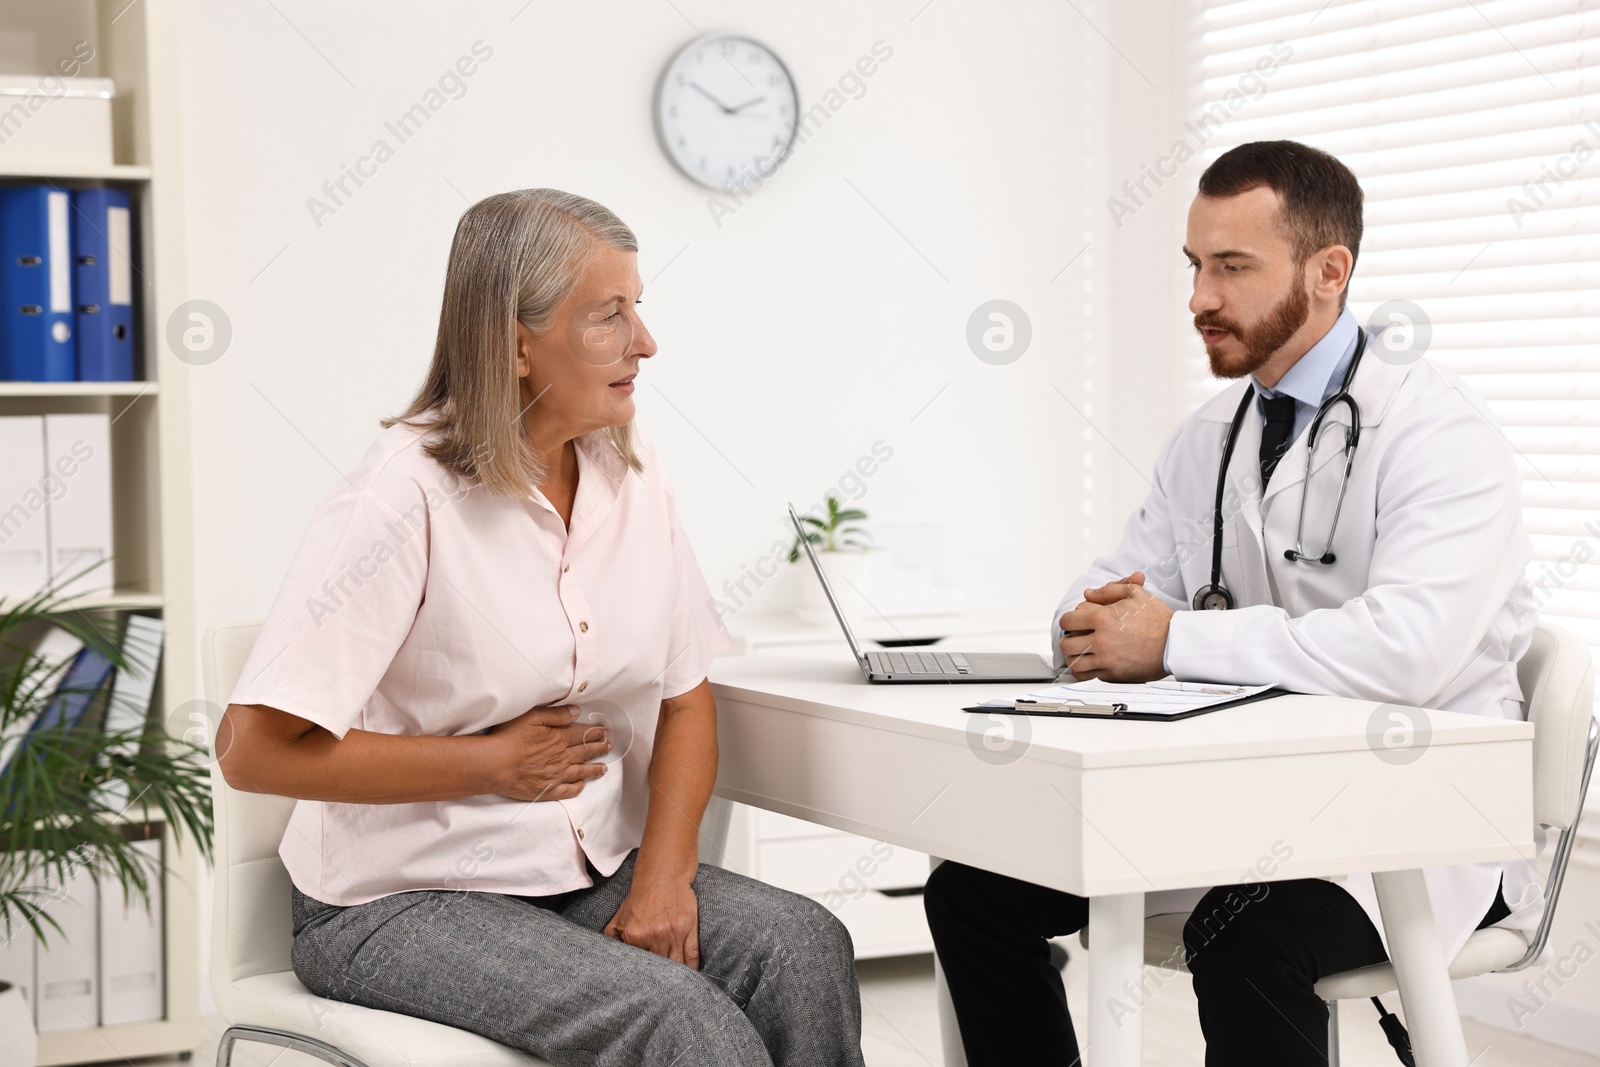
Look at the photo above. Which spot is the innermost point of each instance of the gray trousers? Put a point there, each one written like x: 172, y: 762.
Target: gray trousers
x: 776, y: 985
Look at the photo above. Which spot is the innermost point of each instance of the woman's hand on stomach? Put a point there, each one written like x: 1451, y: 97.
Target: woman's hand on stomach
x: 546, y: 755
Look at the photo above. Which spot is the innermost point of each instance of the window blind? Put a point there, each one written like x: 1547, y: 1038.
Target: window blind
x: 1474, y: 128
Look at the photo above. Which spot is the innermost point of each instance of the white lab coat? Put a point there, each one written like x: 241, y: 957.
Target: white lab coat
x: 1425, y: 605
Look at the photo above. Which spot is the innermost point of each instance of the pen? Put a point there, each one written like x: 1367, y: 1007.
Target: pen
x: 1081, y: 706
x: 1199, y: 687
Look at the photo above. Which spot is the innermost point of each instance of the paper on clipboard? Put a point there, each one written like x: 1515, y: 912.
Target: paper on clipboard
x: 1151, y: 698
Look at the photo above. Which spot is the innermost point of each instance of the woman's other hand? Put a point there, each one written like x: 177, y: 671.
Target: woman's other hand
x: 660, y: 916
x: 548, y: 755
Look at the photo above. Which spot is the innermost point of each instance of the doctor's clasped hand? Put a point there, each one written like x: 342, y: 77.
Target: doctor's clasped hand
x: 1118, y: 633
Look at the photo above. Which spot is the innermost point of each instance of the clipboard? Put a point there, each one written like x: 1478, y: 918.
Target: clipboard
x: 1116, y: 710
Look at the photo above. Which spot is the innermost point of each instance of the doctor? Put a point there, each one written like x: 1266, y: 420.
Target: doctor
x: 1418, y: 600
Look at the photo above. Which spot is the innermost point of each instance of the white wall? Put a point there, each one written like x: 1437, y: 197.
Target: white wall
x: 793, y: 336
x: 1149, y: 284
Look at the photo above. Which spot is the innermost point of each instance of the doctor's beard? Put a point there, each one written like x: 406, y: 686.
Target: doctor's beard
x: 1262, y: 339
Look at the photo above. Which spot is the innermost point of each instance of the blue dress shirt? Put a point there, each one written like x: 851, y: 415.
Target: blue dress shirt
x: 1316, y: 375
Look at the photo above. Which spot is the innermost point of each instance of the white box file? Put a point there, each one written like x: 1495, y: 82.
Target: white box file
x: 131, y: 972
x: 55, y: 122
x: 67, y: 994
x: 16, y: 959
x: 78, y: 458
x: 24, y: 526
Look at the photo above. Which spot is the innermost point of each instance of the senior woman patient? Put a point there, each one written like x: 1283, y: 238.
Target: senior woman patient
x: 484, y: 678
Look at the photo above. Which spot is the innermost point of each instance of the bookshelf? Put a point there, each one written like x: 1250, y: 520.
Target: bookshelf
x: 136, y: 43
x: 89, y: 389
x: 115, y: 602
x: 117, y: 172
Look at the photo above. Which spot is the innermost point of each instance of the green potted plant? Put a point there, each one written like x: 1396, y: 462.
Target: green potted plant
x: 844, y: 550
x: 63, y: 788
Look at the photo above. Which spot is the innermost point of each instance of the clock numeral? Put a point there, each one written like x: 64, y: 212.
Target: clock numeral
x: 682, y: 143
x: 672, y: 111
x: 774, y: 80
x: 730, y: 170
x: 702, y: 165
x: 757, y: 56
x: 681, y: 80
x: 783, y: 109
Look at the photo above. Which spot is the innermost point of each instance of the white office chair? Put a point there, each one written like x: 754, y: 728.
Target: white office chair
x: 1557, y: 676
x: 252, y: 979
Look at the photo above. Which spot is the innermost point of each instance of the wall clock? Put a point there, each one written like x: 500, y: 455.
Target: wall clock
x: 725, y: 111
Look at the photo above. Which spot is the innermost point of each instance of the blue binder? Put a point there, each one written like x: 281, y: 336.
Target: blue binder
x: 102, y: 284
x: 36, y: 334
x: 89, y: 671
x: 83, y: 679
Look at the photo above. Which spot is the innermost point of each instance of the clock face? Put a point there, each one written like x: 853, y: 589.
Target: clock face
x: 725, y: 111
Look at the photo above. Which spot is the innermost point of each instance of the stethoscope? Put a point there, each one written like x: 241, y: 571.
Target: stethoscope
x: 1215, y: 596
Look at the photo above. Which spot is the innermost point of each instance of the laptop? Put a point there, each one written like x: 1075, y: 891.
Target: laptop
x: 910, y: 666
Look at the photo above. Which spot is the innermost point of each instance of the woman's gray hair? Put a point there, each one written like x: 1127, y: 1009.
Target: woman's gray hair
x: 516, y: 256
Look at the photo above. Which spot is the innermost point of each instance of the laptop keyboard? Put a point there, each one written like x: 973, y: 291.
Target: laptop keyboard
x: 923, y: 663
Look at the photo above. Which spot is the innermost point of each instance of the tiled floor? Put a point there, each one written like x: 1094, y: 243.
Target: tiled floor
x: 900, y: 1027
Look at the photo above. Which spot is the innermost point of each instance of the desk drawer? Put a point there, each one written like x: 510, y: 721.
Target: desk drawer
x: 771, y: 826
x: 842, y: 864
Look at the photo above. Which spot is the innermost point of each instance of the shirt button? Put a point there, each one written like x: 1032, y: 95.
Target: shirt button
x: 583, y: 627
x: 582, y: 686
x: 566, y: 568
x: 580, y: 833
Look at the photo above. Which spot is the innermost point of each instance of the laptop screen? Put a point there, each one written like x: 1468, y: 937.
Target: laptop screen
x: 816, y: 565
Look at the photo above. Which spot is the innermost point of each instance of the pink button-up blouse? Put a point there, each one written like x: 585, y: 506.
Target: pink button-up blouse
x: 419, y: 603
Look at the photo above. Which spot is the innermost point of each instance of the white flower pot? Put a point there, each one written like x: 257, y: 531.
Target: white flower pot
x: 848, y: 571
x: 19, y: 1045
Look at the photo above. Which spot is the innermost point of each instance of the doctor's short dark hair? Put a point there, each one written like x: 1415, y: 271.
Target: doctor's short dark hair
x: 1321, y: 198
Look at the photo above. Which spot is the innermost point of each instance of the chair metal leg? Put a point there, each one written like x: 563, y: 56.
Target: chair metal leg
x: 1333, y: 1033
x: 283, y: 1039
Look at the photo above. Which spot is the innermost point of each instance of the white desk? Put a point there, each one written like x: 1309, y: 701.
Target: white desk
x: 1112, y: 810
x: 874, y: 890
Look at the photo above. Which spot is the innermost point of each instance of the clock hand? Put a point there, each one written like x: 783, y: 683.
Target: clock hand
x: 747, y: 103
x: 726, y: 110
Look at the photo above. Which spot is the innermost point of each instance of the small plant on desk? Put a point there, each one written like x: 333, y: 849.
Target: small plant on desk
x: 833, y: 534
